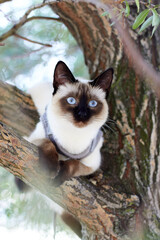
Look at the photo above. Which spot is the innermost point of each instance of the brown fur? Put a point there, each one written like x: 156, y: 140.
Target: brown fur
x: 71, y: 168
x: 60, y: 171
x: 48, y: 157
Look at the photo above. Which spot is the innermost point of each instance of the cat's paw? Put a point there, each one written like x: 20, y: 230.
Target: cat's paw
x: 63, y: 174
x: 48, y: 159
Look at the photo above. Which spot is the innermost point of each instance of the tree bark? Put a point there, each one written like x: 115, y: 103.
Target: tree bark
x: 103, y: 209
x: 17, y: 109
x: 133, y: 154
x: 106, y: 204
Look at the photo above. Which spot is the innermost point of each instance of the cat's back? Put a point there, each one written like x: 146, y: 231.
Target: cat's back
x: 41, y: 94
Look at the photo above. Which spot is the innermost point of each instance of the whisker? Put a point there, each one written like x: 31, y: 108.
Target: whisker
x: 111, y: 120
x: 107, y: 126
x: 103, y: 129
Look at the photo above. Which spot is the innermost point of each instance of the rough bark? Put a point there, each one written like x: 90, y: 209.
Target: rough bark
x: 17, y: 109
x: 133, y: 153
x: 131, y: 156
x: 103, y: 209
x: 95, y: 36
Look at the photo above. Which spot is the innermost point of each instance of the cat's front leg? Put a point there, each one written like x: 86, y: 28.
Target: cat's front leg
x: 48, y: 158
x: 69, y: 169
x: 76, y: 168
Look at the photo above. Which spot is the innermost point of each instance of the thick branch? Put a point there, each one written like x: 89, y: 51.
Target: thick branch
x: 104, y: 210
x: 17, y: 109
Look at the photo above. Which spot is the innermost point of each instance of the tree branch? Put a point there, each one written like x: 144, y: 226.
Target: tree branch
x: 43, y: 18
x: 105, y: 211
x: 25, y: 19
x: 17, y: 109
x: 32, y: 41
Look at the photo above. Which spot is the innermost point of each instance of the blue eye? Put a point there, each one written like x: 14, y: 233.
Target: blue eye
x: 92, y: 103
x: 71, y: 100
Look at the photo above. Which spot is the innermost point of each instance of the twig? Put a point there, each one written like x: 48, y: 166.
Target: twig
x: 32, y: 41
x: 43, y: 18
x: 24, y: 19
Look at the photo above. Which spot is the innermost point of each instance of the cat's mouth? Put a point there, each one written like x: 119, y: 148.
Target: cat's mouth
x: 80, y: 124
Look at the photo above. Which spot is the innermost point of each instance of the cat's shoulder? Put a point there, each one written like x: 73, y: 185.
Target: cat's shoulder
x: 41, y: 94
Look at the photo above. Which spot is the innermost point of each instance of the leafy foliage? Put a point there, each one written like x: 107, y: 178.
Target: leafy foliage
x: 149, y: 16
x: 153, y: 20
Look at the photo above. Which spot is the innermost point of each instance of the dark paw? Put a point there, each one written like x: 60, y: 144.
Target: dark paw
x: 63, y: 174
x: 48, y: 159
x: 58, y: 181
x: 22, y: 187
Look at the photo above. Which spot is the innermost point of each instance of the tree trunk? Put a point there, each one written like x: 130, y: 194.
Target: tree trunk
x: 106, y: 204
x: 132, y: 155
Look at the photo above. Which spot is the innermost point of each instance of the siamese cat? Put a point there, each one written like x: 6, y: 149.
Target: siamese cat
x: 72, y: 112
x: 68, y: 135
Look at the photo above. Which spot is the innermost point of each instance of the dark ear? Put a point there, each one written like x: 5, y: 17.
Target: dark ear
x: 104, y: 80
x: 62, y: 75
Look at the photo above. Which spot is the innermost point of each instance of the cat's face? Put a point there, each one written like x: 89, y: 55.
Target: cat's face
x: 81, y: 103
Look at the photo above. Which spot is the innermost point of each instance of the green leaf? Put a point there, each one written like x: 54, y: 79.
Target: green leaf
x: 156, y: 19
x: 154, y: 29
x: 146, y: 24
x: 140, y: 18
x: 105, y: 13
x: 138, y: 5
x: 127, y: 10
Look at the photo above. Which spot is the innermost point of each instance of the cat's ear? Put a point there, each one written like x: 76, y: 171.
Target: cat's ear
x: 62, y: 75
x: 104, y: 80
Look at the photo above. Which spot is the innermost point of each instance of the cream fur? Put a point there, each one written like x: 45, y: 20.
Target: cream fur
x: 41, y: 94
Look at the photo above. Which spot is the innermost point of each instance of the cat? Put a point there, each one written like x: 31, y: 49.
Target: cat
x: 69, y: 135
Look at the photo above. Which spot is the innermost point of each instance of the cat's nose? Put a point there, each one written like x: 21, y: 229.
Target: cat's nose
x: 82, y: 114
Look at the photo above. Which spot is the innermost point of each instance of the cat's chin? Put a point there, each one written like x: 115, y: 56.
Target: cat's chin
x: 80, y: 124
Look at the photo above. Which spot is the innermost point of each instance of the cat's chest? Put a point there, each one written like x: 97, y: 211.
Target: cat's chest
x: 72, y: 138
x: 73, y: 141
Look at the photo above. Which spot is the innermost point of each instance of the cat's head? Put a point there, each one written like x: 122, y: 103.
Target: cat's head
x: 81, y: 103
